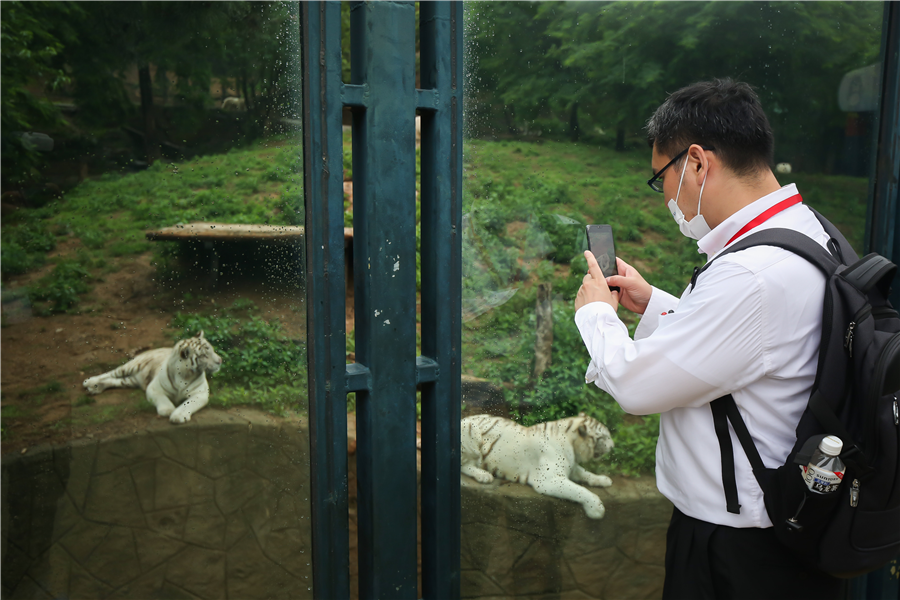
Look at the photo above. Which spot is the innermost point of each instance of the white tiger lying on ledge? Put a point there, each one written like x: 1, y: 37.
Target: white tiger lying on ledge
x: 545, y: 456
x: 169, y: 375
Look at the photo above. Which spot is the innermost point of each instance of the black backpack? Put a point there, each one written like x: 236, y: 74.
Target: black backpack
x: 855, y: 397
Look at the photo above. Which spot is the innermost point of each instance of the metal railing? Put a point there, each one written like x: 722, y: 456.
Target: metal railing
x: 384, y: 101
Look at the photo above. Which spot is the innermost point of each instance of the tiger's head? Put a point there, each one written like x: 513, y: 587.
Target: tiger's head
x: 593, y: 439
x: 197, y: 354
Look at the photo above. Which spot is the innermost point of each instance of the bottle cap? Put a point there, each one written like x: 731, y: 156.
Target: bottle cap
x: 831, y: 445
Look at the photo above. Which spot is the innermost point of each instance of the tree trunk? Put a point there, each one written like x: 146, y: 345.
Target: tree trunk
x: 151, y: 143
x: 244, y: 90
x: 163, y: 83
x: 620, y: 137
x: 574, y: 130
x: 272, y: 100
x: 543, y: 343
x: 509, y: 115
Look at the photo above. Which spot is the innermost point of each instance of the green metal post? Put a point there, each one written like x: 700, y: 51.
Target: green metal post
x: 384, y: 100
x: 323, y: 186
x: 440, y: 105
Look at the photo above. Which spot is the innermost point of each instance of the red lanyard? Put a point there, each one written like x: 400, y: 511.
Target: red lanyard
x: 766, y: 215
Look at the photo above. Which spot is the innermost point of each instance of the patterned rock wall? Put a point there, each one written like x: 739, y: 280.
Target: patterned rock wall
x: 517, y: 543
x: 219, y: 508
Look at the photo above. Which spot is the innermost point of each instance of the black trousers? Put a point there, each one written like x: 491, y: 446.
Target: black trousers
x: 704, y: 560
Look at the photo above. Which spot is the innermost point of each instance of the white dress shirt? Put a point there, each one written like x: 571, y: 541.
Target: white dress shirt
x: 751, y: 327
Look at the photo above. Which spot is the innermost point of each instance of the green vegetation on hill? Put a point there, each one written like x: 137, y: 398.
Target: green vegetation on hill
x: 109, y: 217
x: 525, y: 208
x: 262, y: 366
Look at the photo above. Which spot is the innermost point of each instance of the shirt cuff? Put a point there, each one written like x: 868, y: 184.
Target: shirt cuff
x: 660, y: 303
x: 590, y: 320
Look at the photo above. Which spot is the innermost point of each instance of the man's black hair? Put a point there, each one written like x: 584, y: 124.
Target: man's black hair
x: 721, y: 113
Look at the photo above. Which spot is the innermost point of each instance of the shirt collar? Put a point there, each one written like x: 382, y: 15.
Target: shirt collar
x: 714, y: 241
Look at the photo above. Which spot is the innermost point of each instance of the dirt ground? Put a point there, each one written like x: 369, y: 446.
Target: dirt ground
x: 45, y: 359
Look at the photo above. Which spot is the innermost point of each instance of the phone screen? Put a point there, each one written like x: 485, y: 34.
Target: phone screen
x: 601, y: 245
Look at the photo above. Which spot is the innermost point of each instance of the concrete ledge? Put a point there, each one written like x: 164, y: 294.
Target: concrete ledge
x: 219, y: 508
x: 516, y: 542
x: 215, y: 508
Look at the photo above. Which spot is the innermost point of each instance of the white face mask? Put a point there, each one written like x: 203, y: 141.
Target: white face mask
x: 696, y: 228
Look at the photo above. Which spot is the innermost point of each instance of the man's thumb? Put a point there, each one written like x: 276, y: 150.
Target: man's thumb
x: 615, y: 281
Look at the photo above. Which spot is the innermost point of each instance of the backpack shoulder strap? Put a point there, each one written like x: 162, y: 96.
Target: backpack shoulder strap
x: 846, y: 254
x: 725, y: 409
x: 788, y: 239
x: 871, y: 270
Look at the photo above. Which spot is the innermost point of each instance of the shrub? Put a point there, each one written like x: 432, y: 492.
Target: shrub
x: 59, y: 291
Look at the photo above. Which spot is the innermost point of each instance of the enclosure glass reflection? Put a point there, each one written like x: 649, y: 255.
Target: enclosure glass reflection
x: 558, y: 93
x: 152, y: 198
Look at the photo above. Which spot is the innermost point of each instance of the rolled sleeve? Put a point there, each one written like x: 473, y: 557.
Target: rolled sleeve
x: 709, y: 346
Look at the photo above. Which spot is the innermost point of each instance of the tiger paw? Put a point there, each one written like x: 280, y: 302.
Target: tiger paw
x: 594, y: 510
x: 484, y: 477
x: 180, y: 417
x: 91, y: 386
x: 600, y: 481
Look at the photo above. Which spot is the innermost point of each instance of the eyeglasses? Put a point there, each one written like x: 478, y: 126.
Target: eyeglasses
x: 656, y: 183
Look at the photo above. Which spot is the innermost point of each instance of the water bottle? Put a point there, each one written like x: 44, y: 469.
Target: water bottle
x: 825, y: 471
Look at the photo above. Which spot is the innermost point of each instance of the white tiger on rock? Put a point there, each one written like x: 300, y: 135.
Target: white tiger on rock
x: 545, y: 456
x: 170, y: 376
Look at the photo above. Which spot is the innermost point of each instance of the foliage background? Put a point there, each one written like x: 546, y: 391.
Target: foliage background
x: 556, y: 95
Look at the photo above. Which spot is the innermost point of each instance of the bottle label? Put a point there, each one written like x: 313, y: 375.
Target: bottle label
x: 821, y: 481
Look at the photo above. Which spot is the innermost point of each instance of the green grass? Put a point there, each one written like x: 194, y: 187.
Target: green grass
x: 109, y: 216
x: 262, y: 366
x: 525, y: 208
x: 37, y: 395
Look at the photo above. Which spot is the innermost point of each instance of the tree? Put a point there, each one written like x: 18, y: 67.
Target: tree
x: 30, y: 48
x: 518, y: 72
x: 113, y: 36
x: 614, y: 62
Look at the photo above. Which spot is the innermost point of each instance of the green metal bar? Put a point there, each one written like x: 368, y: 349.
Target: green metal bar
x: 883, y: 218
x: 359, y: 378
x: 384, y: 255
x: 323, y: 186
x: 883, y: 233
x: 440, y: 101
x: 427, y: 370
x: 355, y: 95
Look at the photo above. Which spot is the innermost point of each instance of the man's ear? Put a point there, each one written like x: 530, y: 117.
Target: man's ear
x: 701, y: 162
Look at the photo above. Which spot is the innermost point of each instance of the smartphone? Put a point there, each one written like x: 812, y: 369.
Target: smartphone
x: 602, y: 246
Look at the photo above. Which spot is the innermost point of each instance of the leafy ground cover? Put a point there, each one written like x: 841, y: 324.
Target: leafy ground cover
x: 262, y: 366
x: 525, y: 208
x: 108, y: 216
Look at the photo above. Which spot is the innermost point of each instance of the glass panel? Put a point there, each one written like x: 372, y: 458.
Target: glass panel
x: 557, y: 97
x: 152, y: 238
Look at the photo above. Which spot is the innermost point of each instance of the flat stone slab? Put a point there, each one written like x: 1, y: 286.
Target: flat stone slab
x: 225, y: 232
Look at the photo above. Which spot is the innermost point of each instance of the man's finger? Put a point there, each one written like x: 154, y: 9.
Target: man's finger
x: 593, y: 267
x: 615, y: 281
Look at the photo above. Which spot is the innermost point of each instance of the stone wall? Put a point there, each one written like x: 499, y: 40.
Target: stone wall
x: 219, y: 508
x: 517, y: 543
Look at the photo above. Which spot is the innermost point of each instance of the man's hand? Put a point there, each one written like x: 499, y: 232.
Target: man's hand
x: 593, y: 286
x: 634, y: 292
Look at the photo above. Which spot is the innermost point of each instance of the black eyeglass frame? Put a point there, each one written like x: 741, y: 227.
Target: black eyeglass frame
x: 652, y: 181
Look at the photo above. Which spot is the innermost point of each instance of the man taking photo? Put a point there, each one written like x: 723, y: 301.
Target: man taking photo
x: 749, y: 326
